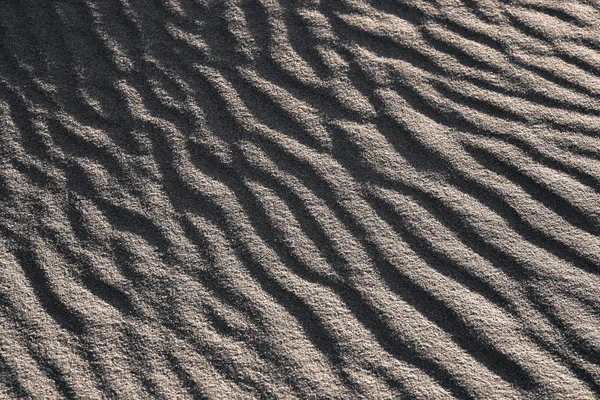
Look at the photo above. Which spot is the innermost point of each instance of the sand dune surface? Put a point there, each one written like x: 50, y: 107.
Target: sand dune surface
x: 277, y: 199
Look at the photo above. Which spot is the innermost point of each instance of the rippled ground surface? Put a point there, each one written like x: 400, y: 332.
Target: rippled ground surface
x: 299, y: 199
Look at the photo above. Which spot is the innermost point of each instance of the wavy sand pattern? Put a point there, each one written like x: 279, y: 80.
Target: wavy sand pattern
x: 280, y: 199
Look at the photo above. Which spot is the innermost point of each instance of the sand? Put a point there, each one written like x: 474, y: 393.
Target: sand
x: 276, y: 199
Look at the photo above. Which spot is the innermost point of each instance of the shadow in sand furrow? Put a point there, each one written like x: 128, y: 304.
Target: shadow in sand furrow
x: 445, y: 315
x: 578, y: 62
x: 485, y: 194
x: 76, y: 145
x: 17, y: 68
x: 439, y: 261
x: 420, y: 18
x: 125, y: 261
x: 80, y: 227
x: 36, y: 274
x: 262, y: 346
x: 138, y: 224
x: 53, y: 369
x: 495, y: 202
x: 536, y: 96
x: 367, y: 315
x: 415, y: 54
x: 187, y: 381
x: 322, y: 339
x: 513, y: 268
x: 480, y: 105
x: 399, y: 284
x: 590, y: 44
x: 223, y: 43
x: 87, y: 275
x: 49, y: 355
x: 500, y: 259
x: 551, y: 75
x: 11, y: 380
x: 425, y: 62
x: 222, y: 362
x: 287, y: 298
x: 382, y: 332
x: 5, y: 192
x: 457, y: 52
x: 594, y: 154
x: 264, y: 66
x: 318, y: 97
x: 587, y: 375
x: 35, y: 174
x: 309, y: 224
x: 537, y: 190
x: 79, y: 182
x: 24, y: 119
x: 211, y: 280
x: 576, y: 172
x: 517, y: 222
x: 267, y: 111
x: 135, y: 350
x: 101, y: 72
x: 558, y: 13
x: 384, y: 46
x: 52, y: 40
x: 255, y: 16
x: 267, y: 66
x: 576, y: 343
x: 109, y: 293
x: 478, y: 10
x: 473, y: 34
x: 302, y: 40
x: 558, y: 161
x: 404, y: 10
x: 520, y: 112
x: 229, y: 369
x: 450, y: 218
x: 59, y: 378
x: 526, y: 29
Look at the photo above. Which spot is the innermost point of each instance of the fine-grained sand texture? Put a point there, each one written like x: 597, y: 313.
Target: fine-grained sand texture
x: 278, y: 199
